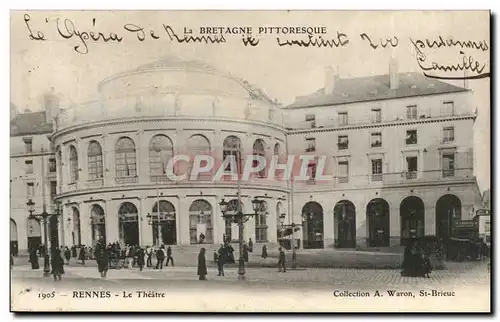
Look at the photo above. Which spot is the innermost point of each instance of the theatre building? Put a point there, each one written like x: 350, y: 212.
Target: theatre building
x: 398, y: 148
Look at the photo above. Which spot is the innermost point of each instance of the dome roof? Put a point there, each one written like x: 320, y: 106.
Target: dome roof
x: 176, y: 62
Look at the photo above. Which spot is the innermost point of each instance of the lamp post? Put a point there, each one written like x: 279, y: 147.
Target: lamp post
x: 240, y: 218
x: 44, y: 217
x: 290, y: 226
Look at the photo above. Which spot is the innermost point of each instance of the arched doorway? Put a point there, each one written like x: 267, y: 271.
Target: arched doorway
x: 412, y: 212
x: 128, y: 221
x: 377, y: 213
x: 448, y: 210
x: 98, y: 224
x: 168, y: 230
x: 345, y: 224
x: 231, y: 228
x: 200, y: 222
x: 14, y: 244
x: 76, y: 234
x: 34, y: 233
x: 312, y: 223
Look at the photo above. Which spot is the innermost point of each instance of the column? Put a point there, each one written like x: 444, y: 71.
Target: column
x: 182, y: 221
x: 430, y: 221
x: 328, y: 228
x: 143, y: 157
x: 83, y: 175
x: 85, y: 224
x: 66, y: 214
x: 272, y: 220
x: 111, y: 221
x: 219, y: 226
x: 107, y: 161
x: 145, y: 229
x: 249, y: 231
x: 395, y: 226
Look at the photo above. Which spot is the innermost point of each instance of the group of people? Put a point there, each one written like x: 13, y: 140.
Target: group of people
x: 416, y: 261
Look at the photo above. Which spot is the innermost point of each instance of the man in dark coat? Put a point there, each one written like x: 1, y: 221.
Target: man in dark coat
x: 102, y: 261
x: 67, y: 254
x: 264, y: 252
x: 281, y: 260
x: 82, y: 254
x: 57, y: 264
x: 220, y: 260
x: 160, y: 257
x: 169, y: 256
x: 250, y: 245
x: 202, y: 265
x: 34, y: 259
x: 73, y: 251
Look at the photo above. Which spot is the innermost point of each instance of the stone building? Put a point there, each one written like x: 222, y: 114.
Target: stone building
x: 398, y: 147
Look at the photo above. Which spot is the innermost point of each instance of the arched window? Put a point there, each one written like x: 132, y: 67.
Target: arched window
x: 261, y: 225
x: 198, y: 145
x: 73, y: 164
x: 125, y: 158
x: 259, y: 150
x: 95, y: 160
x: 161, y: 150
x: 232, y: 146
x: 277, y: 149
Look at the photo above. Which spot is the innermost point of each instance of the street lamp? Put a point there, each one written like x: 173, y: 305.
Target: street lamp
x: 292, y: 227
x: 240, y: 218
x: 44, y: 217
x: 151, y: 222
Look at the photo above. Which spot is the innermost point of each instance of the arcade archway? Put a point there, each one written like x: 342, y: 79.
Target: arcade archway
x: 312, y: 224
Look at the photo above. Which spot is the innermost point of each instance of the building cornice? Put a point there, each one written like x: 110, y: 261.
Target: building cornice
x: 381, y: 125
x: 170, y: 119
x: 30, y: 155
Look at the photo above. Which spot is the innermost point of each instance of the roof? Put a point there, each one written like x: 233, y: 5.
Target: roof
x: 374, y: 88
x: 30, y: 124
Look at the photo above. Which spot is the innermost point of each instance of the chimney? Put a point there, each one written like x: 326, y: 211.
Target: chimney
x: 50, y: 106
x: 393, y: 74
x: 330, y: 79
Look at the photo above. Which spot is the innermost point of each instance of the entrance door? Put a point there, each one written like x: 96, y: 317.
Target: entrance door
x: 412, y: 214
x: 345, y: 224
x: 312, y: 214
x: 377, y: 213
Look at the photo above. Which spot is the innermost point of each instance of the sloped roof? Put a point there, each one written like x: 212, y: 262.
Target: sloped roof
x: 30, y: 124
x: 373, y: 88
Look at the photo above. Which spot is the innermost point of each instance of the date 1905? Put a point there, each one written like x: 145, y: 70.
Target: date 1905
x: 48, y: 295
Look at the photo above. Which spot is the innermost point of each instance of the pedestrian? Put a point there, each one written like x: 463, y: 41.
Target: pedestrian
x: 73, y: 251
x: 220, y: 261
x: 140, y: 258
x: 34, y: 259
x: 103, y: 261
x: 149, y: 251
x: 57, y: 264
x: 250, y: 245
x: 82, y: 254
x: 67, y: 254
x: 160, y: 257
x: 202, y: 265
x: 169, y: 256
x: 281, y: 260
x: 264, y: 252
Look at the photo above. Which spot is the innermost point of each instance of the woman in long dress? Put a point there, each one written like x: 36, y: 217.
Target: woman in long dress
x: 34, y: 259
x: 103, y: 261
x: 57, y: 264
x: 202, y: 265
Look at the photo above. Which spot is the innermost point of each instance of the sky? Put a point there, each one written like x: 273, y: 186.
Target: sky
x: 282, y: 72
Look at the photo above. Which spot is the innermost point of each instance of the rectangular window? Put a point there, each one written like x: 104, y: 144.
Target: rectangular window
x: 411, y: 137
x: 311, y: 171
x: 377, y: 170
x: 260, y: 228
x: 31, y: 189
x: 343, y: 142
x: 448, y: 164
x: 448, y: 109
x: 53, y: 188
x: 310, y: 144
x: 52, y: 165
x: 343, y: 120
x: 29, y: 166
x: 448, y: 134
x: 343, y: 171
x: 28, y: 145
x: 411, y: 112
x: 376, y: 139
x: 311, y: 120
x: 411, y: 168
x: 376, y: 115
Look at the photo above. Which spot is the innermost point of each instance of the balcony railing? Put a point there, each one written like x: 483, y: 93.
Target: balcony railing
x: 377, y: 177
x: 376, y: 144
x: 448, y: 173
x: 411, y: 175
x: 343, y: 146
x: 343, y: 179
x: 411, y: 141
